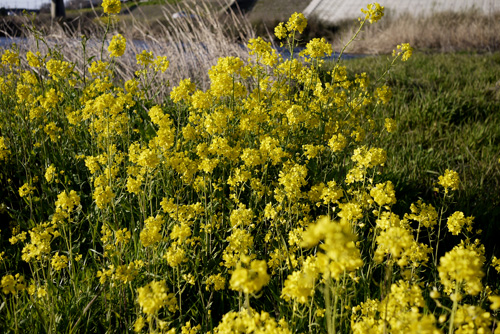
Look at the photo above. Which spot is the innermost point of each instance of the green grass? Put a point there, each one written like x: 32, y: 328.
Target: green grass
x: 264, y: 10
x: 447, y: 108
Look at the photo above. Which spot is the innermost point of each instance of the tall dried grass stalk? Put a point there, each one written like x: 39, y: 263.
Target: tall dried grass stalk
x: 192, y: 43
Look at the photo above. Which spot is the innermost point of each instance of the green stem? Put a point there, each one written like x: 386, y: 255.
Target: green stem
x: 328, y: 305
x: 451, y: 329
x: 441, y: 211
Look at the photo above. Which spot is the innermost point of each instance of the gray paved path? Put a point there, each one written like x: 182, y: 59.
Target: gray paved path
x: 337, y: 10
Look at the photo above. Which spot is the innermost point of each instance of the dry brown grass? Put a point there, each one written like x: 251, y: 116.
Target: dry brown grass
x: 442, y: 32
x: 192, y: 44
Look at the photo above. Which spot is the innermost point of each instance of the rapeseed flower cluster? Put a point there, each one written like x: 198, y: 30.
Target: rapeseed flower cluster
x: 249, y: 276
x: 374, y: 12
x: 4, y: 152
x: 340, y: 252
x: 461, y: 270
x: 117, y: 46
x: 251, y: 321
x: 267, y: 186
x: 111, y: 6
x: 450, y: 180
x: 398, y: 312
x: 154, y: 296
x: 12, y: 284
x: 404, y: 50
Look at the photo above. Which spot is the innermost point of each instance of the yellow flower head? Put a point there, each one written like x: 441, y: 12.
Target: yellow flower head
x: 26, y: 190
x: 111, y: 6
x: 152, y: 232
x: 390, y: 125
x: 425, y: 214
x: 495, y: 302
x: 462, y: 266
x: 59, y: 69
x: 340, y: 252
x: 103, y: 196
x: 495, y: 263
x: 117, y: 46
x: 252, y: 279
x: 449, y: 180
x: 299, y: 286
x: 218, y: 282
x: 297, y: 22
x: 33, y: 59
x: 59, y: 261
x: 383, y: 94
x: 183, y: 91
x: 405, y: 50
x: 161, y: 63
x: 374, y: 12
x: 12, y: 284
x: 11, y: 58
x: 457, y: 220
x: 251, y: 321
x: 280, y: 31
x: 4, y: 151
x: 384, y: 194
x: 153, y: 296
x: 472, y: 319
x: 144, y: 58
x: 318, y: 48
x: 50, y: 173
x: 66, y: 203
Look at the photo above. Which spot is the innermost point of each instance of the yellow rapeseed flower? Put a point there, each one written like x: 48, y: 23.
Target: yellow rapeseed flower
x: 50, y: 173
x: 280, y: 31
x: 251, y: 277
x: 374, y: 12
x: 298, y: 286
x: 59, y: 261
x: 144, y: 58
x: 449, y: 180
x: 472, y: 319
x: 26, y: 190
x: 457, y: 221
x: 340, y: 252
x: 318, y: 48
x: 154, y: 296
x: 111, y: 6
x: 117, y: 46
x: 495, y: 302
x: 384, y: 194
x: 297, y: 22
x: 4, y: 151
x: 59, y: 69
x: 218, y: 282
x: 383, y: 94
x: 390, y: 125
x: 11, y: 58
x: 12, y: 284
x: 404, y: 50
x: 249, y: 321
x: 152, y: 231
x: 33, y: 59
x: 462, y: 266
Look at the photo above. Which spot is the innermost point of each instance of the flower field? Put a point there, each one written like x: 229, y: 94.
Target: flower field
x: 258, y: 205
